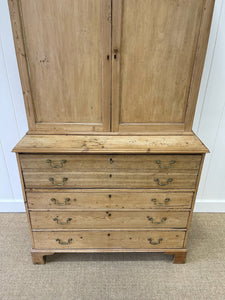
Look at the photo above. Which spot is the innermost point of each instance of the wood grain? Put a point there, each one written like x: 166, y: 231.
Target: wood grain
x: 108, y: 199
x: 108, y: 219
x: 39, y: 258
x: 109, y: 239
x: 22, y: 61
x: 129, y: 163
x: 110, y: 144
x: 110, y: 72
x: 199, y: 62
x: 24, y: 198
x: 160, y: 49
x: 194, y: 199
x: 69, y: 78
x: 130, y: 180
x: 179, y: 257
x: 157, y: 43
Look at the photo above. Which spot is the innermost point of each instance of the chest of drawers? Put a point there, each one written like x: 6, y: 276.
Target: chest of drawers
x: 139, y: 198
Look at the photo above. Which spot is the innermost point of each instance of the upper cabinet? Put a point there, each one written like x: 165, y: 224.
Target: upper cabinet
x: 99, y: 65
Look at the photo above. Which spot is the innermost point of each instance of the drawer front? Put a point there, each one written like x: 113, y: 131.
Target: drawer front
x: 108, y: 219
x: 110, y: 180
x: 90, y: 199
x: 114, y: 162
x: 144, y: 239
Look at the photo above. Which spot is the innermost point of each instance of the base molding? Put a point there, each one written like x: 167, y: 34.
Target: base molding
x: 210, y: 206
x: 38, y: 255
x: 14, y: 206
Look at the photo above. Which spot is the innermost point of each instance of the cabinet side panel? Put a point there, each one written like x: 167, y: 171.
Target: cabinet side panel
x: 194, y: 199
x: 199, y: 62
x: 25, y: 197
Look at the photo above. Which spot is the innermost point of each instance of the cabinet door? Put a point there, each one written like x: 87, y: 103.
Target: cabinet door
x: 62, y: 48
x: 159, y: 48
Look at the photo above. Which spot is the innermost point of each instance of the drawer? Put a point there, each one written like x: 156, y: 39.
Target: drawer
x: 114, y: 162
x: 143, y: 239
x: 108, y: 219
x: 110, y: 180
x: 92, y: 199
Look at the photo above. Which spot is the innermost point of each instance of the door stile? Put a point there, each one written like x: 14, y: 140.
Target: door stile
x: 117, y: 8
x: 16, y: 22
x: 106, y: 64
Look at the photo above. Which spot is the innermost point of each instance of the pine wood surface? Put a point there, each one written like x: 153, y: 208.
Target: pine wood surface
x: 73, y: 41
x: 60, y: 220
x: 97, y: 77
x: 194, y: 199
x: 130, y: 180
x: 24, y: 197
x: 154, y: 55
x: 38, y: 256
x: 108, y: 219
x: 199, y: 62
x: 189, y: 144
x: 115, y: 68
x: 109, y: 239
x: 128, y: 163
x: 179, y: 257
x: 111, y: 199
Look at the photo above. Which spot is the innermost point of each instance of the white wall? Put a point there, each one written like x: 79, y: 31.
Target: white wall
x: 209, y: 123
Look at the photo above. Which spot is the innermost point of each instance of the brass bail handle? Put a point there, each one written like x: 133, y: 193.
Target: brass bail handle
x: 64, y: 243
x: 52, y: 180
x: 55, y: 165
x: 60, y: 222
x: 154, y: 222
x: 161, y: 204
x: 155, y: 243
x: 163, y: 184
x: 56, y: 202
x: 171, y: 163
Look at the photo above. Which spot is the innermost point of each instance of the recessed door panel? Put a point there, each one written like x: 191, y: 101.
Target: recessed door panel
x: 66, y: 44
x: 156, y: 45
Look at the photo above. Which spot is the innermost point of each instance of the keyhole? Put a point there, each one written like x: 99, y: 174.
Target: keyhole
x: 110, y: 175
x: 110, y: 196
x: 115, y: 53
x: 107, y: 57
